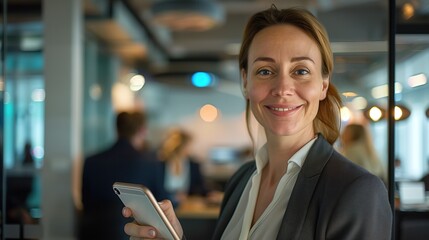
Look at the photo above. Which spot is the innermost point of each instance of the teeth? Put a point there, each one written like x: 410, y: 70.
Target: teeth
x: 283, y: 109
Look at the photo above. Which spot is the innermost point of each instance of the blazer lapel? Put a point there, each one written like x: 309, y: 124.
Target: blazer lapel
x: 235, y: 190
x: 305, y: 185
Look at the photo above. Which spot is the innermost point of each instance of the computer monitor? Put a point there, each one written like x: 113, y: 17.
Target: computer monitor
x: 223, y: 155
x: 411, y: 192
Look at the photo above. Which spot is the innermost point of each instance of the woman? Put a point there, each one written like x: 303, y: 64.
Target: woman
x: 180, y: 171
x: 356, y: 145
x: 298, y: 187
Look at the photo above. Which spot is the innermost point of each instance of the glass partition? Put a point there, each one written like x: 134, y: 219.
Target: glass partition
x: 411, y: 132
x: 411, y: 136
x: 23, y: 108
x: 2, y: 90
x: 411, y: 128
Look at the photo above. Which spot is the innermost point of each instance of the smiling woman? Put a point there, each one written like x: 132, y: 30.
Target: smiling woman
x: 284, y: 81
x: 298, y: 187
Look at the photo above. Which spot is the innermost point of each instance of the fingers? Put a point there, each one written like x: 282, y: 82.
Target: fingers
x: 167, y: 208
x: 139, y: 232
x: 139, y: 238
x: 166, y: 205
x: 136, y: 231
x: 126, y: 212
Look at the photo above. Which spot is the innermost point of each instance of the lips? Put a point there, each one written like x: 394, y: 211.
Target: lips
x: 283, y: 109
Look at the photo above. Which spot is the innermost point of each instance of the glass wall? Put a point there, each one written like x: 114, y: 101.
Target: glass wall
x: 2, y: 79
x: 23, y: 149
x: 411, y: 138
x: 411, y: 130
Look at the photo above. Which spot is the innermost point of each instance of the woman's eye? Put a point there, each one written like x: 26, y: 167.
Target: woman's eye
x: 264, y: 72
x: 301, y: 72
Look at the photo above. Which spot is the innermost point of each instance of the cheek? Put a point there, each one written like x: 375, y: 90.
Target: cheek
x: 312, y: 93
x: 256, y: 94
x: 258, y: 87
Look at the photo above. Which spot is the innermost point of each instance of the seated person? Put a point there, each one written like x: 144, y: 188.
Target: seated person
x: 357, y: 146
x: 181, y: 172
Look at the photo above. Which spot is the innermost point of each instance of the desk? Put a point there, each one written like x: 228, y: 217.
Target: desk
x: 411, y: 224
x: 198, y: 218
x: 197, y: 207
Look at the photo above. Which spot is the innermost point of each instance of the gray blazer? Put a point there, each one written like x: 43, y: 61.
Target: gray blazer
x: 332, y: 199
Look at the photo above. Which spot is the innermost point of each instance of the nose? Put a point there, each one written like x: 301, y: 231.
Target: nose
x: 283, y: 86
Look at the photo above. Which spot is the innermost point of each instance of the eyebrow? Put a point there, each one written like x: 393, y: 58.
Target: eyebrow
x: 295, y: 59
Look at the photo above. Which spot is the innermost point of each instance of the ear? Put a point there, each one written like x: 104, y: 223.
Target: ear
x: 325, y: 85
x: 244, y: 83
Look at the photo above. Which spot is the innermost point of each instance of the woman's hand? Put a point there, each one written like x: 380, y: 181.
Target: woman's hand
x: 139, y: 231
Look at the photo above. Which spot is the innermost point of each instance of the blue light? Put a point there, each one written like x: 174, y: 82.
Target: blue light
x: 201, y: 79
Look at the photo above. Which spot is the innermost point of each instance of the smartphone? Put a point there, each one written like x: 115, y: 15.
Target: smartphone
x: 146, y: 210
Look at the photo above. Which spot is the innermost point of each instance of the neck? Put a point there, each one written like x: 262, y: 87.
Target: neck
x: 136, y: 142
x: 281, y: 148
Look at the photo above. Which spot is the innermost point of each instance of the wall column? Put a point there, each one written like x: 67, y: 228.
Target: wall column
x: 63, y: 40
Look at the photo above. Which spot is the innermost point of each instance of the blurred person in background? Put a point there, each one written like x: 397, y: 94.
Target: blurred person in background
x: 180, y: 170
x: 298, y: 187
x: 123, y: 162
x: 357, y: 145
x: 19, y: 190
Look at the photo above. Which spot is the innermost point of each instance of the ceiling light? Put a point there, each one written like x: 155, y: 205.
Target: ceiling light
x: 346, y: 114
x: 417, y: 80
x: 193, y: 15
x: 375, y: 113
x: 407, y: 11
x: 359, y: 103
x: 383, y: 90
x: 202, y: 79
x: 401, y: 113
x: 208, y: 113
x: 349, y: 94
x: 137, y: 82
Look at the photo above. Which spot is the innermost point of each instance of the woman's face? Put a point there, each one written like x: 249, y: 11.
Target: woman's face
x: 284, y: 82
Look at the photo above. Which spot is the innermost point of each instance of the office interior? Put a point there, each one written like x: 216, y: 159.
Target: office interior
x: 69, y: 66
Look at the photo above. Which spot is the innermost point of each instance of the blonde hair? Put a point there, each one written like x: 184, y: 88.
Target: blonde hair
x: 173, y: 144
x: 357, y: 133
x: 327, y: 120
x: 357, y: 146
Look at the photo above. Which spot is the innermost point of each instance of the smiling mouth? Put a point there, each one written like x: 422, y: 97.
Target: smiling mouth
x: 283, y: 109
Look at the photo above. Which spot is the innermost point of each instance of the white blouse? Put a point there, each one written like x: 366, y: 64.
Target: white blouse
x: 268, y: 224
x: 178, y: 183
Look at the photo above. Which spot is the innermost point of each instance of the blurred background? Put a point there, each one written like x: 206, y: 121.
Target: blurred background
x: 69, y: 66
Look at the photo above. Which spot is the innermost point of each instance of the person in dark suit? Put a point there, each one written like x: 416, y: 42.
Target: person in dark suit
x: 180, y: 170
x: 298, y: 187
x: 122, y: 162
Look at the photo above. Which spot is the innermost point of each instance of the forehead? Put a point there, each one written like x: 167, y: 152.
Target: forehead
x: 281, y: 38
